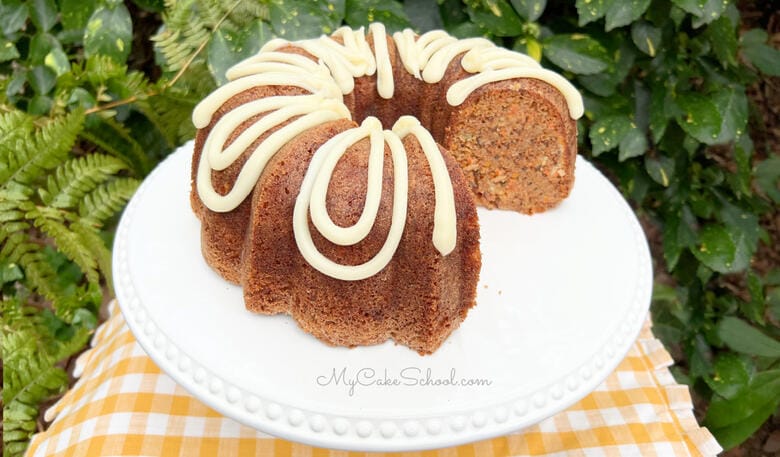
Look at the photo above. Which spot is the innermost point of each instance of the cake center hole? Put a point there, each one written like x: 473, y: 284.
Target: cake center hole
x: 389, y: 111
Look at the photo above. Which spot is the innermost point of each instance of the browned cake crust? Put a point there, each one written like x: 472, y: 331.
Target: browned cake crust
x: 516, y: 143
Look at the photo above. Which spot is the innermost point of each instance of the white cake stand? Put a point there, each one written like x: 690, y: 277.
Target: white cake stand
x: 562, y: 297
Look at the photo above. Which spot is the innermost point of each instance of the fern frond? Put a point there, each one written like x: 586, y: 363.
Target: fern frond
x: 106, y: 200
x: 210, y: 10
x: 15, y: 132
x: 13, y: 240
x: 75, y: 344
x: 190, y: 23
x: 247, y: 12
x: 29, y: 378
x: 97, y: 247
x: 115, y: 138
x: 133, y: 84
x: 14, y: 191
x: 69, y: 243
x: 16, y: 246
x: 48, y: 147
x: 30, y: 375
x: 185, y: 30
x: 37, y: 271
x: 99, y: 69
x: 196, y: 82
x: 78, y: 176
x: 10, y: 210
x: 170, y: 112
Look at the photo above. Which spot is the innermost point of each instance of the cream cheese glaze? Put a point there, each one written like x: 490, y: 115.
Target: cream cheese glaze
x: 333, y: 75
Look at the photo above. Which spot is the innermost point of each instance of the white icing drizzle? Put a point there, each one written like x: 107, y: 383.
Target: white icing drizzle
x: 436, y: 66
x: 384, y: 69
x: 458, y: 92
x: 404, y: 42
x: 317, y: 112
x: 314, y: 189
x: 336, y: 147
x: 274, y: 60
x: 444, y: 218
x: 430, y: 55
x: 347, y: 236
x: 346, y: 61
x: 201, y: 115
x: 340, y: 59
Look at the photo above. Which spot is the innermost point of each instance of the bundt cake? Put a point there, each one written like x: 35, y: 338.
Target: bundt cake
x: 363, y: 233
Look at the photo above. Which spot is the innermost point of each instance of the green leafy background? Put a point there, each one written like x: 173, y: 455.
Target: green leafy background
x: 83, y: 119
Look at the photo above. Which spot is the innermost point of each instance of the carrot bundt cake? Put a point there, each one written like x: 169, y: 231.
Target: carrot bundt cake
x: 336, y: 178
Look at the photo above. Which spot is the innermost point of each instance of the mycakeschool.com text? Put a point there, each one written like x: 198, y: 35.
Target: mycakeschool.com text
x: 409, y: 377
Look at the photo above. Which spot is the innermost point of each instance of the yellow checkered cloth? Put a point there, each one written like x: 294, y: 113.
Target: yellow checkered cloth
x: 124, y: 405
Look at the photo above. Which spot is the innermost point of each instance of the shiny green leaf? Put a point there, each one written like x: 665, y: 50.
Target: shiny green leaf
x: 711, y: 10
x: 624, y: 12
x: 42, y: 79
x: 424, y: 15
x: 754, y: 308
x: 466, y: 30
x: 722, y: 35
x: 672, y: 249
x: 389, y: 12
x: 43, y: 14
x: 732, y: 103
x: 227, y: 48
x: 700, y: 117
x: 646, y: 37
x: 633, y: 144
x: 660, y: 169
x: 743, y: 228
x: 734, y: 419
x: 592, y: 10
x: 529, y: 9
x: 74, y: 14
x: 743, y: 155
x: 730, y: 377
x: 716, y: 248
x: 41, y: 45
x: 57, y: 61
x: 8, y: 51
x: 109, y: 32
x: 743, y: 337
x: 732, y: 435
x: 700, y: 356
x: 762, y: 56
x: 706, y: 10
x: 768, y: 177
x: 301, y: 20
x: 607, y: 133
x: 40, y: 105
x: 658, y: 118
x: 9, y: 272
x: 452, y: 13
x: 13, y: 15
x: 500, y: 20
x: 577, y: 53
